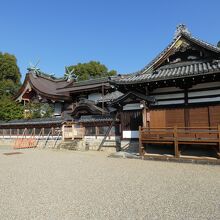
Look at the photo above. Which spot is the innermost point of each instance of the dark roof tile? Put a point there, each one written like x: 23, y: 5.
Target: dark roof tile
x: 177, y: 70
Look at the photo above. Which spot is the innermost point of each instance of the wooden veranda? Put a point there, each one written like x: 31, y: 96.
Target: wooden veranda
x: 178, y: 138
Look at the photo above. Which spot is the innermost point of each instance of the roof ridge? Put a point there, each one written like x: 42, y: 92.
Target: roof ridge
x: 47, y: 76
x: 176, y: 38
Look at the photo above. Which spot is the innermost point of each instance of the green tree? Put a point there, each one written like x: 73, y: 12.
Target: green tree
x: 91, y: 70
x: 10, y: 109
x: 218, y: 44
x: 38, y: 110
x: 8, y: 87
x: 8, y: 68
x: 9, y: 83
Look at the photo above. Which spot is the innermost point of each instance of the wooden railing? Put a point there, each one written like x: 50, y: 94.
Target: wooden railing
x: 179, y: 135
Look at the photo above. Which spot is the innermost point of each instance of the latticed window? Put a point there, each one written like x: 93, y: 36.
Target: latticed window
x: 102, y: 130
x: 90, y: 131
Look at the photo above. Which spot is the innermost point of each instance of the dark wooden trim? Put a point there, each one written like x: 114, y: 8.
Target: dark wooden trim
x: 186, y: 117
x: 199, y: 104
x: 203, y: 89
x: 207, y: 96
x: 167, y: 93
x: 189, y: 90
x: 170, y: 99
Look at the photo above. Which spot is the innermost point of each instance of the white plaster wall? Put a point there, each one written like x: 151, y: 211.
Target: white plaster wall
x: 133, y: 106
x: 130, y: 134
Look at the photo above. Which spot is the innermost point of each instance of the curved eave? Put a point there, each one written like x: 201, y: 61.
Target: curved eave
x: 39, y: 91
x: 22, y: 88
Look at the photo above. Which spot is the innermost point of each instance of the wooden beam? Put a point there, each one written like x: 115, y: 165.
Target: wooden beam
x: 141, y: 147
x: 219, y: 138
x: 176, y: 144
x: 144, y: 116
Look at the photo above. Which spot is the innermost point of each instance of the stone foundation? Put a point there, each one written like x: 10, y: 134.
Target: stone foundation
x: 7, y: 142
x: 130, y: 146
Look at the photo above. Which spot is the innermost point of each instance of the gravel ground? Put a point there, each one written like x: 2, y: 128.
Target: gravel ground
x: 46, y: 184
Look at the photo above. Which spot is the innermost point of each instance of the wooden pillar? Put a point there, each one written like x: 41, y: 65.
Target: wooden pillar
x: 144, y: 117
x: 96, y: 132
x: 218, y: 151
x: 34, y: 131
x: 73, y: 132
x: 176, y: 144
x: 141, y: 147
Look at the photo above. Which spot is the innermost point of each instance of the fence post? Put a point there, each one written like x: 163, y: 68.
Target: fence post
x: 176, y: 144
x: 63, y: 132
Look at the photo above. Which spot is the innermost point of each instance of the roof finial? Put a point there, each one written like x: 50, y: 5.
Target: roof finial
x: 181, y: 29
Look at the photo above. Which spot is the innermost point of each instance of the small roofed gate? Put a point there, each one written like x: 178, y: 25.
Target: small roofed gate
x: 73, y: 131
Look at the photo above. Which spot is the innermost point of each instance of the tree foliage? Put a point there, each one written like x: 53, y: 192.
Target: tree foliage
x: 8, y: 68
x: 8, y: 87
x: 218, y: 44
x: 91, y: 70
x: 10, y: 109
x: 9, y: 83
x: 38, y: 110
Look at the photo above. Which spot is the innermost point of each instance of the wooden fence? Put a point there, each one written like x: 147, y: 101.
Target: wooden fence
x: 176, y: 136
x: 72, y: 132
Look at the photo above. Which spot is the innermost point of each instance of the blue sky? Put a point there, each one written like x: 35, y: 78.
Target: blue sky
x: 123, y: 34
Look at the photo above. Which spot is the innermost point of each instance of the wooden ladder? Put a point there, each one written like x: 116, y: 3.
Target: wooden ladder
x: 107, y: 132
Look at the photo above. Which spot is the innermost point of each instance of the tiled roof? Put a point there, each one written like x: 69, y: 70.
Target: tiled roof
x: 95, y: 118
x: 36, y: 121
x: 177, y: 70
x: 134, y: 95
x: 85, y: 85
x: 111, y: 96
x: 197, y: 41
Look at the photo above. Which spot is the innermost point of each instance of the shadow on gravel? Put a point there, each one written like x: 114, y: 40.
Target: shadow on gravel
x: 12, y: 153
x: 122, y: 154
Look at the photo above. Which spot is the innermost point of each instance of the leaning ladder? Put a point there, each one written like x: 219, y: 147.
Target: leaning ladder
x: 48, y: 137
x: 107, y: 132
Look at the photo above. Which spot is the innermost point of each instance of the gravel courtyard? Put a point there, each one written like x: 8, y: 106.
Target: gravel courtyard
x: 47, y: 184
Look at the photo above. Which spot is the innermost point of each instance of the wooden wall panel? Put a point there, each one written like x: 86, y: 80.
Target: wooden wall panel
x: 199, y: 117
x: 131, y: 120
x: 214, y: 113
x: 175, y: 117
x: 157, y: 118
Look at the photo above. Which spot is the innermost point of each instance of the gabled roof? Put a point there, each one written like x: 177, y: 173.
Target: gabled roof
x: 174, y: 43
x: 154, y: 71
x: 85, y: 85
x: 134, y: 96
x: 110, y: 96
x: 45, y: 86
x: 88, y: 107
